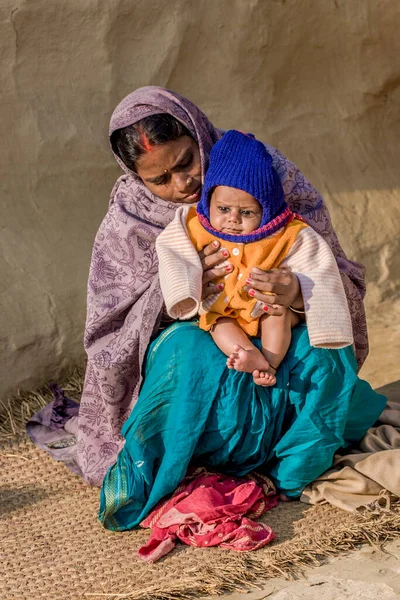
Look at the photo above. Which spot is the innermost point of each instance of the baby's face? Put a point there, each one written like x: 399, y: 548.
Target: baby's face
x: 233, y: 211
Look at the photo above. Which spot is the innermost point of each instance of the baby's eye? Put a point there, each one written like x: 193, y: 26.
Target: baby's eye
x: 223, y: 209
x: 247, y: 213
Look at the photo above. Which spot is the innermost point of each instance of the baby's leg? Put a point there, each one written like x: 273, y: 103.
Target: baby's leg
x: 276, y: 333
x: 233, y: 341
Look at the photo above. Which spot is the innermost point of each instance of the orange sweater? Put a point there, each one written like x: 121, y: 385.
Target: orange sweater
x: 266, y: 254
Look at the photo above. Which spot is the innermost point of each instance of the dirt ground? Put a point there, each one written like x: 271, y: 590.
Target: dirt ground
x: 369, y: 572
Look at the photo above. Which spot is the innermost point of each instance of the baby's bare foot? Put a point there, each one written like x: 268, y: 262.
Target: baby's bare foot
x: 230, y: 363
x: 265, y: 378
x: 247, y: 360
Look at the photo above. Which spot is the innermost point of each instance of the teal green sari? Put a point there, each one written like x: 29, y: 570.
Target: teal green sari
x: 193, y: 410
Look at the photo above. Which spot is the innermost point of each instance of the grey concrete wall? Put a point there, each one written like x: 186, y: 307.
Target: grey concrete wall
x: 319, y: 80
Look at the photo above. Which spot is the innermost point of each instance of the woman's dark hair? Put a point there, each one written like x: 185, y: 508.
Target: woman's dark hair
x: 130, y: 142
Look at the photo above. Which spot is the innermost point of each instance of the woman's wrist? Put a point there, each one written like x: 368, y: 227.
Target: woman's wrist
x: 298, y: 303
x: 297, y: 307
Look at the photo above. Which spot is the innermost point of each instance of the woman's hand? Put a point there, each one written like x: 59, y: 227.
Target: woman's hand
x: 282, y: 286
x: 212, y: 256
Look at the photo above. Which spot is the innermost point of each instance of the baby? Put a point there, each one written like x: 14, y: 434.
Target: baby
x: 243, y: 205
x: 236, y: 212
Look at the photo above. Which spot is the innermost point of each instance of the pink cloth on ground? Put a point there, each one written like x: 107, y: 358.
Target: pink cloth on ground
x: 211, y: 510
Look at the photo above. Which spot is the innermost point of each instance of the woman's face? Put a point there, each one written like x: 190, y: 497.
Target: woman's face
x: 172, y: 171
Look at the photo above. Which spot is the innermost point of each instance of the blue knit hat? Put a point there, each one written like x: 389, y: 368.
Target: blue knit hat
x: 240, y: 161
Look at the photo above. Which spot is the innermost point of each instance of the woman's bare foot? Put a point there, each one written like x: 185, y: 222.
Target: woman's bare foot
x: 265, y: 378
x: 247, y: 360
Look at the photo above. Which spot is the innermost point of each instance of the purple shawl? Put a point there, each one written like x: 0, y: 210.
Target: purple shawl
x: 125, y: 304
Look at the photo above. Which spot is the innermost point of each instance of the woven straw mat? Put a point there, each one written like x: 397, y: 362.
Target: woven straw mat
x: 53, y: 547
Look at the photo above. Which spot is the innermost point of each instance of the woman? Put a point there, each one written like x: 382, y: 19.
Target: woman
x: 164, y: 165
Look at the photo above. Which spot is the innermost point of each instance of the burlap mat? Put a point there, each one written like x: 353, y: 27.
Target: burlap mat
x: 52, y: 546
